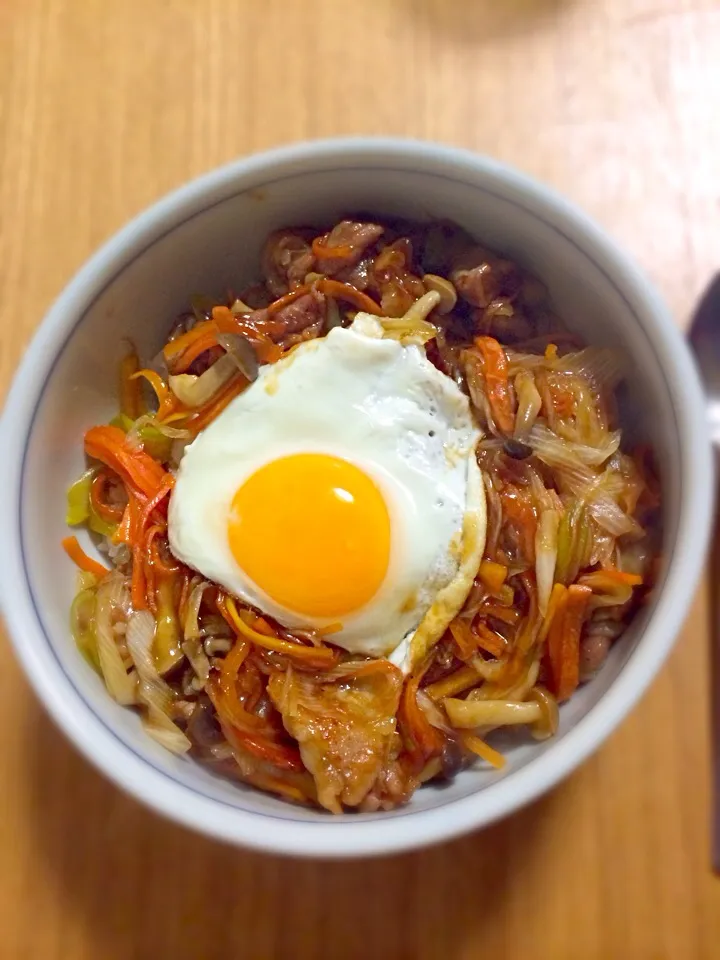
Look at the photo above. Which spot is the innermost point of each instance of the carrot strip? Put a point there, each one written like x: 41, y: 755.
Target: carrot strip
x: 165, y: 487
x: 135, y: 467
x: 205, y: 415
x: 482, y: 749
x: 184, y: 594
x: 176, y: 347
x: 148, y: 572
x: 492, y: 574
x: 78, y: 556
x: 556, y: 599
x: 245, y: 729
x: 201, y: 345
x: 464, y: 638
x: 122, y: 534
x: 423, y: 740
x: 152, y: 547
x: 137, y: 582
x: 495, y: 370
x: 323, y: 252
x: 297, y: 794
x: 167, y: 402
x: 106, y: 512
x: 468, y: 637
x: 453, y: 684
x: 319, y: 657
x: 518, y: 508
x: 288, y: 298
x: 564, y: 640
x: 345, y: 291
x: 130, y: 396
x: 509, y: 615
x: 278, y: 754
x: 619, y: 576
x: 490, y: 641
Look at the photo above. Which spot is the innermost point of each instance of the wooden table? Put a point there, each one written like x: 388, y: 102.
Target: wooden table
x: 106, y: 106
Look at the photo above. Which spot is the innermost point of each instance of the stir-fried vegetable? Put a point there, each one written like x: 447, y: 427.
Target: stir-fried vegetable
x: 571, y: 543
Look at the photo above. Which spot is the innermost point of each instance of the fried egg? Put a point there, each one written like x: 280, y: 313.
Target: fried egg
x: 339, y: 492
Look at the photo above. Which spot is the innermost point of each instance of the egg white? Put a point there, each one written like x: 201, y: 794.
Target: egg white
x: 385, y: 408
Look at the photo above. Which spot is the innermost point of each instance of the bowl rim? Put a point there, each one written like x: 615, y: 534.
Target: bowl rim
x: 367, y: 837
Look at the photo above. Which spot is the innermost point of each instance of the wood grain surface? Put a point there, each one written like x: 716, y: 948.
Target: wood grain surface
x: 104, y: 107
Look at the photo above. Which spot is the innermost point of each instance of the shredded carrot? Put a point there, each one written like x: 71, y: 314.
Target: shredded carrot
x: 423, y: 740
x: 489, y: 640
x: 122, y: 534
x: 175, y: 348
x: 556, y: 598
x: 266, y: 349
x: 106, y: 511
x: 509, y: 615
x: 366, y: 668
x: 153, y: 551
x: 518, y: 508
x: 564, y: 640
x: 619, y: 576
x: 323, y: 252
x: 154, y: 502
x: 492, y: 574
x: 345, y: 291
x: 214, y: 407
x: 464, y: 638
x: 453, y: 684
x: 245, y: 729
x: 135, y: 467
x: 551, y: 351
x: 563, y: 399
x: 289, y: 298
x: 319, y: 657
x: 167, y: 402
x: 260, y: 745
x: 482, y: 749
x: 130, y: 396
x: 184, y: 594
x: 302, y: 792
x: 138, y: 585
x: 207, y: 341
x: 495, y: 371
x: 78, y: 556
x: 148, y: 571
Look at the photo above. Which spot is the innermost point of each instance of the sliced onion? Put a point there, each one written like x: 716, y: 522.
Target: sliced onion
x: 191, y: 626
x: 600, y: 365
x: 135, y: 437
x: 153, y: 692
x: 413, y: 327
x: 139, y: 638
x: 242, y: 353
x: 162, y: 729
x: 120, y: 684
x: 546, y: 542
x: 529, y: 403
x: 556, y: 452
x: 333, y: 317
x: 193, y: 391
x: 194, y: 651
x: 239, y: 308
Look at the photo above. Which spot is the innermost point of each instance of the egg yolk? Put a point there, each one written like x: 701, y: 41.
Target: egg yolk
x: 313, y: 532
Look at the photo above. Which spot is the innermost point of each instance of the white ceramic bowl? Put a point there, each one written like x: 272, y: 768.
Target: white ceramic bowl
x: 206, y: 237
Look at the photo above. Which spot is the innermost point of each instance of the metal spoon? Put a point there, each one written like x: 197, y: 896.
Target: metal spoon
x: 705, y: 341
